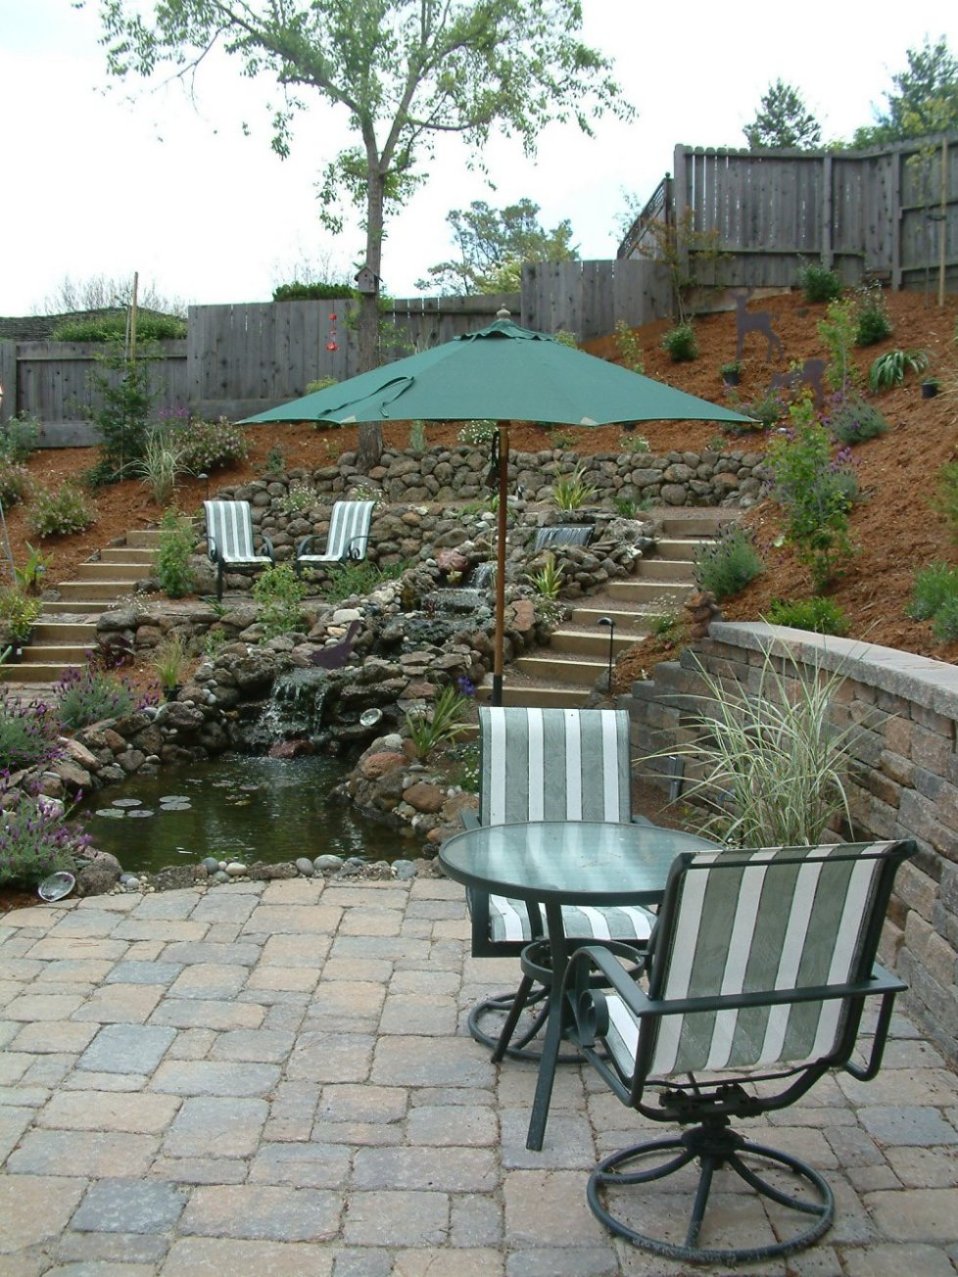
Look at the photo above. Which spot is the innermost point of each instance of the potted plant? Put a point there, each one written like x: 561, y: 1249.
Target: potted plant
x: 731, y: 373
x: 170, y: 663
x: 929, y: 388
x: 18, y: 612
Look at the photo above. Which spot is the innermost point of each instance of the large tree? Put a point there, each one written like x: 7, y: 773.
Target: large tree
x: 403, y: 72
x: 924, y: 99
x: 783, y: 121
x: 493, y: 244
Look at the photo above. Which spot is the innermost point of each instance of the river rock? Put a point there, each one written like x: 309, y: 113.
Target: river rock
x: 305, y: 866
x: 372, y: 766
x: 424, y: 796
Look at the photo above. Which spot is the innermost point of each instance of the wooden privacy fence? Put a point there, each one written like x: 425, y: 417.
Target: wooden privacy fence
x: 238, y: 360
x: 890, y: 213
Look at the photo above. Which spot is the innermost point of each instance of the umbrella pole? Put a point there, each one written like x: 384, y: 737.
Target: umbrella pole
x: 501, y: 564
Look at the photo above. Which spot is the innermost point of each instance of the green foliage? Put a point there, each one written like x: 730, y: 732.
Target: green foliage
x: 813, y: 493
x: 124, y: 387
x: 935, y: 586
x: 944, y: 625
x: 214, y: 445
x: 316, y: 291
x: 107, y: 328
x: 31, y: 576
x: 629, y: 347
x: 465, y: 766
x: 665, y: 625
x: 680, y: 344
x: 170, y: 661
x: 59, y: 513
x: 562, y: 440
x: 783, y: 121
x: 838, y: 330
x: 361, y: 577
x: 176, y: 543
x: 321, y: 383
x: 821, y: 615
x: 571, y: 492
x: 852, y: 420
x: 728, y: 565
x: 279, y: 592
x: 547, y: 581
x: 417, y: 436
x: 493, y: 245
x: 924, y: 100
x: 275, y: 462
x: 945, y: 499
x: 773, y: 768
x: 566, y: 338
x: 18, y: 613
x: 161, y: 464
x: 29, y: 733
x: 683, y: 250
x: 91, y: 695
x: 34, y: 841
x: 478, y: 433
x: 19, y: 438
x: 819, y: 284
x: 626, y: 507
x: 890, y: 368
x: 15, y: 483
x: 299, y: 497
x: 872, y: 318
x: 768, y: 411
x: 444, y: 722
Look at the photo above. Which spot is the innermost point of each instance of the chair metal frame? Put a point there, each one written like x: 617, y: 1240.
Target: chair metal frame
x: 347, y: 538
x: 230, y: 539
x: 708, y: 1104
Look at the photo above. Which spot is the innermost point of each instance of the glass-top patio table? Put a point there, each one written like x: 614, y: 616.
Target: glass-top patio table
x: 556, y: 863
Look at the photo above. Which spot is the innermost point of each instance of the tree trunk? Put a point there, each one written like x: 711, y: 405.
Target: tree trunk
x: 370, y: 446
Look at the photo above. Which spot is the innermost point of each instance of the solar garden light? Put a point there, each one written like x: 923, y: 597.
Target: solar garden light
x: 607, y: 620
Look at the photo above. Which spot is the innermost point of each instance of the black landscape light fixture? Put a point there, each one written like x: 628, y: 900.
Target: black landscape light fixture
x: 607, y: 620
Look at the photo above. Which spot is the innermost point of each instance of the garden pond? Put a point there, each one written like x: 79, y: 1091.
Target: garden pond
x: 238, y: 808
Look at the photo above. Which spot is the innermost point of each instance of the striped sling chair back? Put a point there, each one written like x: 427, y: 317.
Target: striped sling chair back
x: 229, y: 531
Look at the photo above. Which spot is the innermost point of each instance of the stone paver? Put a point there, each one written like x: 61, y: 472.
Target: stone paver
x: 268, y: 1080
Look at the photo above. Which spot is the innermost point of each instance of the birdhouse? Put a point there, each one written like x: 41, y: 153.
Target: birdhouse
x: 367, y: 281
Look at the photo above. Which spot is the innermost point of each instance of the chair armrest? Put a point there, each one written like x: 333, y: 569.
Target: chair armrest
x: 267, y: 547
x: 212, y: 549
x: 357, y: 546
x: 892, y: 989
x: 304, y: 545
x: 470, y: 818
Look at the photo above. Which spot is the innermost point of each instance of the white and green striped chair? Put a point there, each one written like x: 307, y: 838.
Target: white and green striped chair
x: 548, y: 764
x: 348, y: 536
x: 761, y: 966
x: 229, y: 539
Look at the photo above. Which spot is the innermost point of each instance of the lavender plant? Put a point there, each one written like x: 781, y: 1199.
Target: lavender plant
x: 34, y: 840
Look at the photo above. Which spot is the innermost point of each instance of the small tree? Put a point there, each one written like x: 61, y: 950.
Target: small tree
x: 924, y: 99
x: 783, y: 120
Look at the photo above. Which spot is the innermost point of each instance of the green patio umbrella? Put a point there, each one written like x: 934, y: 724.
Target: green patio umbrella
x: 504, y: 373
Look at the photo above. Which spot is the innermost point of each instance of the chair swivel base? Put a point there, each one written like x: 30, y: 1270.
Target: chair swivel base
x: 488, y: 1018
x: 713, y: 1148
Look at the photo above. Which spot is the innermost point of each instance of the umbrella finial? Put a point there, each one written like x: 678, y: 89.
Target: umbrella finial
x: 502, y: 313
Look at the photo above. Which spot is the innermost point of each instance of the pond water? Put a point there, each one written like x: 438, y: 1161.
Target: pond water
x: 234, y: 808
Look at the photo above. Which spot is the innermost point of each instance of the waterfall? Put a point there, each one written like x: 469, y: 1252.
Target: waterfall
x: 295, y: 709
x: 563, y: 534
x: 482, y: 575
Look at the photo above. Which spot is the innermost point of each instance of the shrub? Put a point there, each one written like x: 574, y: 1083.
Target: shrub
x: 818, y: 284
x: 126, y: 395
x: 279, y: 593
x: 357, y: 577
x: 90, y: 695
x: 571, y: 492
x: 944, y: 624
x: 15, y: 483
x: 628, y: 346
x: 934, y: 586
x: 31, y: 576
x: 161, y: 464
x: 298, y: 497
x: 34, y: 841
x: 872, y: 319
x: 945, y: 499
x: 728, y: 565
x: 29, y: 733
x: 818, y: 614
x: 18, y: 613
x: 852, y: 420
x: 321, y: 383
x: 170, y: 661
x: 107, y: 328
x: 296, y: 291
x: 59, y: 513
x: 680, y: 344
x: 838, y: 330
x: 890, y: 368
x: 768, y: 411
x: 173, y: 568
x: 634, y: 443
x: 444, y: 722
x: 214, y: 445
x: 19, y: 438
x: 477, y: 433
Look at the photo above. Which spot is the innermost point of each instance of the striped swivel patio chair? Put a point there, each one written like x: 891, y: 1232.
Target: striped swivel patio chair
x: 548, y: 764
x: 229, y: 539
x: 348, y: 536
x: 763, y: 962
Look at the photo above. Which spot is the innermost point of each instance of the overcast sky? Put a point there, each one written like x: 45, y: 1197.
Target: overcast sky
x: 96, y: 184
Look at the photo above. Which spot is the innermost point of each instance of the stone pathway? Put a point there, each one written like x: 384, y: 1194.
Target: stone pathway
x: 273, y: 1080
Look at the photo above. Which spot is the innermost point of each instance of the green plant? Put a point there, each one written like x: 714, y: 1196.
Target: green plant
x: 299, y: 497
x: 357, y: 577
x: 634, y: 443
x: 478, y: 433
x: 161, y: 463
x: 15, y: 483
x: 112, y: 328
x: 91, y: 695
x: 726, y: 566
x: 29, y: 578
x: 664, y: 625
x: 59, y: 513
x: 19, y: 438
x: 945, y: 498
x: 813, y: 493
x: 547, y: 581
x: 838, y: 331
x: 170, y: 661
x: 123, y: 383
x: 321, y: 383
x: 18, y: 614
x: 944, y: 625
x: 279, y: 592
x: 629, y: 348
x: 34, y: 840
x: 625, y: 507
x: 872, y: 320
x: 213, y: 640
x: 275, y: 462
x: 571, y: 492
x: 773, y: 765
x: 821, y: 615
x: 680, y: 343
x: 465, y: 766
x: 176, y: 543
x: 819, y: 284
x: 852, y: 420
x: 890, y: 369
x: 320, y: 291
x: 566, y: 338
x: 933, y: 587
x: 214, y: 445
x: 560, y: 439
x: 417, y: 436
x: 732, y: 369
x: 768, y: 411
x: 444, y: 722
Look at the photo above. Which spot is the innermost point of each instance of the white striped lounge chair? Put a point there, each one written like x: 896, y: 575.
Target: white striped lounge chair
x: 348, y: 536
x: 229, y: 539
x: 763, y: 961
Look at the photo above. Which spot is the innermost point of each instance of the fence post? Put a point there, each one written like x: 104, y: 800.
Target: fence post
x: 826, y: 211
x: 8, y: 379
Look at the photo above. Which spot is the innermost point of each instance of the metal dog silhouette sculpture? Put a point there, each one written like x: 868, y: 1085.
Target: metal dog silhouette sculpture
x: 758, y: 322
x: 810, y: 374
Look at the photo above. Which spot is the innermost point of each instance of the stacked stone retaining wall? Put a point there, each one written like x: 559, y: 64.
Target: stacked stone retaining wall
x: 903, y: 784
